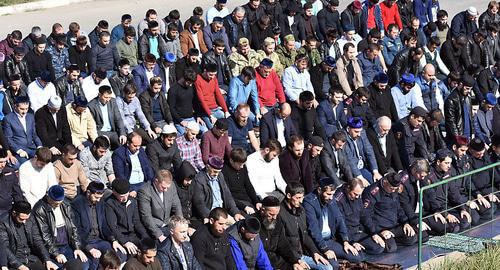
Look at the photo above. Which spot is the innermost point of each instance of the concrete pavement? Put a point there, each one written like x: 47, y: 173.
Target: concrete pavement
x: 87, y: 14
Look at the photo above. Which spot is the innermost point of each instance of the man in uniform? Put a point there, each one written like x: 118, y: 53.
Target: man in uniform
x: 409, y: 136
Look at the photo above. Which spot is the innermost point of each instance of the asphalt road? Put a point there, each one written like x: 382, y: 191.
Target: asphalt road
x: 89, y: 13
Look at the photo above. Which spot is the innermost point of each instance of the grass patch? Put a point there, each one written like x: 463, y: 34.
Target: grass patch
x: 4, y: 3
x: 488, y: 259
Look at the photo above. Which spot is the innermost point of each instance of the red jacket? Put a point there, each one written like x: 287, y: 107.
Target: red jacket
x: 269, y: 89
x: 390, y: 15
x: 209, y: 95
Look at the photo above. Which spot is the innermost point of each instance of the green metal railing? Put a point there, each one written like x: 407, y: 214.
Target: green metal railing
x: 443, y: 182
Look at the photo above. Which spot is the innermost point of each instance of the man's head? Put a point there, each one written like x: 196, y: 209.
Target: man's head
x: 265, y: 67
x: 354, y: 127
x: 362, y: 95
x: 79, y: 105
x: 301, y: 62
x: 294, y: 194
x: 238, y: 14
x: 477, y: 148
x: 191, y: 130
x: 214, y: 166
x: 55, y: 196
x: 472, y: 13
x: 391, y: 182
x: 443, y: 159
x: 326, y: 189
x: 269, y: 212
x: 467, y: 85
x: 220, y: 4
x: 196, y: 24
x: 243, y: 46
x: 270, y: 150
x: 104, y: 38
x: 241, y: 114
x: 338, y: 140
x: 460, y: 146
x: 495, y: 145
x: 100, y: 147
x: 105, y: 94
x: 134, y: 142
x: 69, y: 155
x: 172, y: 31
x: 336, y: 95
x: 269, y: 45
x: 306, y: 99
x: 178, y: 229
x: 154, y: 28
x: 3, y: 158
x: 384, y: 124
x: 99, y: 75
x: 350, y: 51
x: 121, y: 190
x: 155, y: 84
x: 434, y: 118
x: 247, y: 74
x: 109, y: 261
x: 149, y: 61
x: 283, y: 111
x: 73, y: 72
x: 15, y: 82
x: 22, y: 105
x: 163, y: 180
x: 102, y: 26
x: 289, y: 43
x: 40, y: 44
x: 19, y: 53
x: 147, y: 251
x: 393, y: 30
x: 95, y: 192
x: 429, y: 73
x: 21, y: 211
x: 250, y: 228
x: 220, y: 127
x: 295, y: 145
x: 151, y: 15
x: 417, y: 117
x: 168, y: 135
x: 237, y: 158
x: 42, y: 157
x: 372, y: 51
x: 380, y: 81
x: 354, y: 189
x: 124, y: 67
x: 210, y: 71
x: 219, y: 47
x: 218, y: 221
x: 419, y: 169
x: 407, y: 82
x: 490, y: 101
x: 315, y: 146
x: 416, y: 53
x: 129, y: 92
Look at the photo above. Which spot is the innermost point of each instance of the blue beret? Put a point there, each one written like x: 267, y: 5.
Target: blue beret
x: 381, y: 78
x: 491, y: 99
x: 45, y: 76
x: 80, y: 101
x: 22, y: 99
x: 326, y: 181
x: 408, y: 78
x: 330, y: 61
x: 354, y: 122
x: 218, y: 19
x: 170, y: 57
x: 349, y: 27
x: 267, y: 62
x: 56, y: 193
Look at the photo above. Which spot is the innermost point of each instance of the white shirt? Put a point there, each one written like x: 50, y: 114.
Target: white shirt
x: 22, y: 119
x: 34, y: 183
x: 290, y: 20
x: 91, y: 90
x: 382, y: 141
x: 54, y: 116
x: 264, y: 176
x: 213, y: 12
x: 280, y: 126
x: 39, y: 96
x: 167, y: 81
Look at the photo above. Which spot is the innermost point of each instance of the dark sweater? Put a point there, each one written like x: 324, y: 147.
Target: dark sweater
x: 38, y: 63
x: 180, y: 101
x: 240, y: 186
x: 104, y: 57
x: 212, y: 252
x: 81, y: 58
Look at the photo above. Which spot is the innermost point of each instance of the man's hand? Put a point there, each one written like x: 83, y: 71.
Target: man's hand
x: 473, y: 205
x: 386, y: 234
x: 222, y: 91
x: 117, y: 247
x: 81, y: 147
x: 358, y: 246
x: 440, y: 218
x: 79, y: 254
x: 376, y: 176
x: 133, y: 194
x: 238, y: 217
x: 330, y: 255
x: 49, y: 265
x: 249, y: 210
x: 213, y: 119
x: 151, y: 134
x: 493, y: 198
x: 482, y: 201
x: 303, y: 265
x: 348, y: 248
x: 425, y: 227
x: 466, y: 214
x: 55, y: 151
x: 162, y: 238
x: 191, y: 231
x: 157, y: 130
x: 61, y: 259
x: 206, y: 220
x: 377, y: 239
x: 12, y: 159
x: 452, y: 219
x: 95, y: 253
x: 365, y: 182
x: 263, y: 110
x: 258, y: 206
x: 227, y: 114
x: 184, y: 123
x: 199, y: 121
x: 131, y: 248
x: 122, y: 139
x: 22, y: 267
x: 408, y: 229
x: 320, y: 259
x: 22, y: 153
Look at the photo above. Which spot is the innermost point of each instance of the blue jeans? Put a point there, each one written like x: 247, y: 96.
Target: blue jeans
x: 367, y: 175
x: 67, y: 251
x: 136, y: 187
x: 217, y: 113
x: 318, y: 266
x: 181, y: 130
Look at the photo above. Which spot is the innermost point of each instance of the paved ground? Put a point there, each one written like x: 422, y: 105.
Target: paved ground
x: 89, y: 13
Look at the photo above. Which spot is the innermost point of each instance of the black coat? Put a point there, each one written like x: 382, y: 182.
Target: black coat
x: 185, y: 193
x: 402, y: 63
x: 212, y: 252
x: 453, y: 114
x: 210, y: 57
x: 163, y: 158
x: 297, y: 29
x: 296, y: 171
x: 146, y: 100
x: 269, y: 130
x: 307, y: 122
x: 10, y: 191
x: 49, y: 134
x: 391, y: 159
x: 330, y: 164
x: 277, y: 246
x: 124, y: 221
x: 486, y: 83
x: 451, y: 56
x: 181, y: 65
x: 317, y: 76
x: 61, y: 85
x: 38, y: 63
x: 12, y: 67
x: 240, y: 186
x: 382, y: 103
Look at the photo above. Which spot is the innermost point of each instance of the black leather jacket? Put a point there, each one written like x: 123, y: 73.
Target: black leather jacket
x: 210, y: 57
x: 61, y: 85
x: 12, y: 67
x: 8, y: 236
x: 45, y: 219
x: 453, y: 112
x: 402, y: 63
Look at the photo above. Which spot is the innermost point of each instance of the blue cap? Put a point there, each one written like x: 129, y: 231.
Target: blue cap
x: 218, y: 19
x: 330, y: 61
x: 326, y: 181
x: 80, y: 101
x: 349, y: 27
x: 21, y: 99
x: 491, y: 99
x: 56, y: 193
x: 267, y: 62
x: 170, y: 57
x: 408, y: 78
x: 381, y: 78
x: 354, y: 122
x: 45, y: 76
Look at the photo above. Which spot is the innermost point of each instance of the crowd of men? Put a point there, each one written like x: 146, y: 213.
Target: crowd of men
x: 282, y: 135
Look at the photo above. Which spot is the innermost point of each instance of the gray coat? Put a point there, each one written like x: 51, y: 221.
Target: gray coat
x: 113, y: 114
x: 153, y: 212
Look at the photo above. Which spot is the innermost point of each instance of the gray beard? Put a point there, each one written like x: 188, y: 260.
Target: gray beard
x: 269, y: 225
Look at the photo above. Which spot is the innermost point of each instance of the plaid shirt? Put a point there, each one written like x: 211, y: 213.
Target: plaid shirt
x: 190, y: 151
